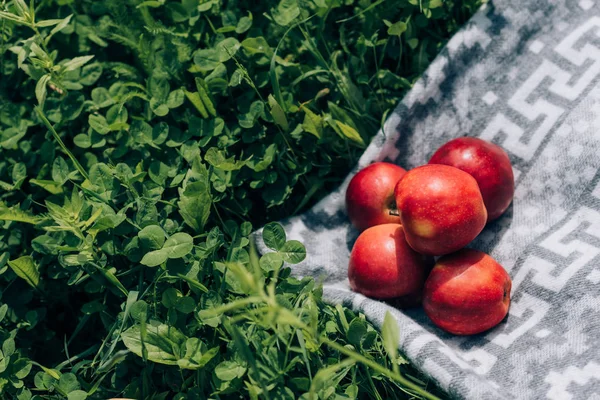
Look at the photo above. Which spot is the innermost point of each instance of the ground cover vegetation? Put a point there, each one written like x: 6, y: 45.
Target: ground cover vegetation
x: 141, y: 142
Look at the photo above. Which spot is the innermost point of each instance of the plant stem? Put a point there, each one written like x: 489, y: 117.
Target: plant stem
x: 234, y: 305
x: 384, y: 371
x: 42, y: 116
x: 79, y: 356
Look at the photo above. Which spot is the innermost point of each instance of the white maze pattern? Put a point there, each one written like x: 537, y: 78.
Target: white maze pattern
x: 526, y: 75
x: 562, y: 85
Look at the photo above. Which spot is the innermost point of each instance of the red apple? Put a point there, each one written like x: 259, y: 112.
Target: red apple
x: 467, y: 292
x: 370, y: 195
x: 441, y: 209
x: 488, y: 164
x: 382, y: 265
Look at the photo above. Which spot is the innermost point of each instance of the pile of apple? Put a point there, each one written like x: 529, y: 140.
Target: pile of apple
x: 408, y: 218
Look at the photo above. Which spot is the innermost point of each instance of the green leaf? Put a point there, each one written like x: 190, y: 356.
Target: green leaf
x: 102, y: 177
x: 312, y: 123
x: 40, y: 88
x: 194, y: 98
x: 159, y: 87
x: 8, y: 347
x: 175, y: 98
x: 158, y: 107
x: 12, y: 17
x: 21, y: 368
x: 6, y: 186
x: 139, y: 310
x: 274, y: 236
x: 278, y: 114
x: 154, y: 258
x: 76, y: 62
x: 293, y: 252
x: 397, y: 29
x: 50, y: 186
x: 239, y: 279
x: 369, y: 340
x: 204, y: 94
x: 158, y: 172
x: 217, y: 159
x: 90, y: 74
x: 60, y: 170
x: 249, y: 119
x: 286, y: 12
x: 151, y: 3
x: 186, y: 305
x: 17, y: 215
x: 99, y: 124
x: 229, y: 370
x: 77, y: 395
x: 244, y: 24
x: 206, y: 5
x: 170, y: 297
x: 330, y: 377
x: 160, y: 133
x: 271, y: 262
x: 50, y: 22
x: 141, y: 131
x: 207, y: 59
x: 262, y: 162
x: 413, y: 43
x: 19, y: 173
x: 152, y: 237
x: 227, y: 48
x: 257, y: 45
x: 160, y: 342
x: 178, y: 12
x: 62, y: 24
x: 391, y: 337
x: 10, y: 137
x: 350, y: 133
x: 38, y: 51
x: 82, y: 140
x: 101, y: 97
x: 194, y: 205
x: 178, y: 245
x: 71, y: 106
x: 68, y: 382
x: 356, y: 331
x: 431, y: 4
x: 116, y: 116
x: 194, y: 358
x: 3, y: 311
x: 25, y: 268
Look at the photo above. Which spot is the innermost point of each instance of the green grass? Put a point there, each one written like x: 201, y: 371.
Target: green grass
x: 141, y: 142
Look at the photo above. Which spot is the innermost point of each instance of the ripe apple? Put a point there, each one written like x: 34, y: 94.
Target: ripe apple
x: 382, y: 265
x: 488, y: 164
x: 441, y: 209
x: 370, y: 195
x: 467, y: 292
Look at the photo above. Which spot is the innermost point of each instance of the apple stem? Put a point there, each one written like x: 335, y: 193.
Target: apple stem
x: 394, y: 213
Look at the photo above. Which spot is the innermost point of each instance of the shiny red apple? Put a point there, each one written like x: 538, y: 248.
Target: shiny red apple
x: 370, y: 195
x: 488, y: 164
x: 441, y: 209
x: 467, y: 293
x: 382, y: 265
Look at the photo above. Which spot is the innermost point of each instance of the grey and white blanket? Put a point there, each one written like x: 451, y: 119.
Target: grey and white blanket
x: 525, y: 75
